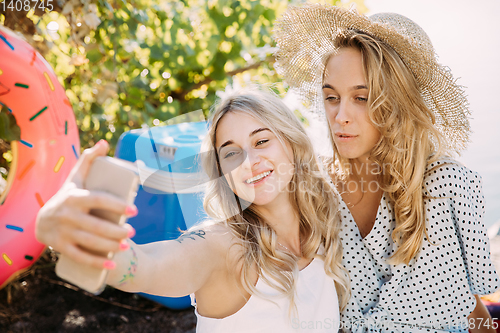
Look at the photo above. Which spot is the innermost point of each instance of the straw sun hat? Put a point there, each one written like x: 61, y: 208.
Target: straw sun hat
x: 305, y: 36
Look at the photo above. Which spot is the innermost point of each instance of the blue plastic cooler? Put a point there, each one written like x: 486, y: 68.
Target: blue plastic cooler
x: 171, y: 195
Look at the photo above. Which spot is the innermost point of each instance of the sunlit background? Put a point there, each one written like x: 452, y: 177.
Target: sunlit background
x: 151, y: 78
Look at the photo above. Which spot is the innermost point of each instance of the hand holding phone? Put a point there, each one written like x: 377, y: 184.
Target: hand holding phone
x: 118, y: 178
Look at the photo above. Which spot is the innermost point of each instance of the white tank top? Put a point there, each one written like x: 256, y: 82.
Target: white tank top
x: 316, y: 300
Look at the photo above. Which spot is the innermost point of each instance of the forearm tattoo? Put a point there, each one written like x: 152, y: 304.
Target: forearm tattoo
x: 191, y: 235
x: 132, y: 269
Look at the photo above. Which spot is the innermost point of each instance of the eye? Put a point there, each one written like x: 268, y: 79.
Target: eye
x: 261, y: 142
x: 332, y: 98
x: 362, y: 99
x: 230, y: 154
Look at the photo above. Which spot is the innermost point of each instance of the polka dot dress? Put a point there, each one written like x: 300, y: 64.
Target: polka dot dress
x: 434, y: 293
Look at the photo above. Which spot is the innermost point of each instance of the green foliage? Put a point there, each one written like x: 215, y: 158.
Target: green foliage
x: 9, y: 130
x: 125, y: 64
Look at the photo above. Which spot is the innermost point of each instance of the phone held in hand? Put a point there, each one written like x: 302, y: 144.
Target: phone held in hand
x: 114, y: 176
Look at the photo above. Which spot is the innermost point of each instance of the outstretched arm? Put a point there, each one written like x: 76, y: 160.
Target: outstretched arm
x: 169, y: 268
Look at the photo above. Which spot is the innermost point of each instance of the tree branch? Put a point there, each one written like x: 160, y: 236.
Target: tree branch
x: 182, y: 96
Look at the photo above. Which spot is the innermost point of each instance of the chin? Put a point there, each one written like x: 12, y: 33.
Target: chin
x: 349, y: 153
x: 264, y: 200
x: 348, y: 156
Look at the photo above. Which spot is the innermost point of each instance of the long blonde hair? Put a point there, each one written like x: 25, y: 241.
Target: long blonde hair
x: 409, y: 140
x: 310, y: 194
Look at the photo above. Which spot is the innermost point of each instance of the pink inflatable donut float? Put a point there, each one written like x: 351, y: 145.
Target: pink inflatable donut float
x: 42, y: 159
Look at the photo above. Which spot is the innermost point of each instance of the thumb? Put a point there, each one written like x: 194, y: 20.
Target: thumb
x: 81, y: 168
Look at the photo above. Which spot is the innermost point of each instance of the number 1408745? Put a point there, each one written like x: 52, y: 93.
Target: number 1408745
x: 26, y: 5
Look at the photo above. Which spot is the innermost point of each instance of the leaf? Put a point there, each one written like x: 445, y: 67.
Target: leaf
x: 156, y: 53
x: 270, y: 15
x: 9, y: 130
x: 94, y: 55
x: 96, y: 109
x: 150, y: 109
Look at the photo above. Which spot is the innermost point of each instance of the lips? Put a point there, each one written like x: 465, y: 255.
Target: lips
x: 345, y: 136
x: 258, y: 177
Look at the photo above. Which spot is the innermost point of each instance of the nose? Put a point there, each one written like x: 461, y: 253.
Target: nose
x: 343, y: 116
x: 253, y: 158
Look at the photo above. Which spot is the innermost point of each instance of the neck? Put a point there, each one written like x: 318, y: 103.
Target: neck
x: 284, y: 220
x: 364, y: 169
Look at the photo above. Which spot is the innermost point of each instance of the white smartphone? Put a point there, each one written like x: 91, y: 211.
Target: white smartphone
x: 117, y: 177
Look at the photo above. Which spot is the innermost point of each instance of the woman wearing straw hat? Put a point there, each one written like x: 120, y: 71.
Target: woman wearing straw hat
x: 262, y: 264
x: 414, y: 243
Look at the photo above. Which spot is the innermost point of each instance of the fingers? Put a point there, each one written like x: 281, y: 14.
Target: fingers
x: 92, y: 244
x: 98, y: 245
x: 86, y: 258
x: 75, y: 215
x: 131, y: 230
x: 78, y: 251
x: 99, y: 227
x: 71, y: 210
x: 86, y: 200
x: 81, y: 169
x: 91, y: 249
x: 65, y: 223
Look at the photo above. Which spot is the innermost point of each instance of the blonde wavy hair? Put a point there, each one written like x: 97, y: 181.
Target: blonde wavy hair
x: 310, y: 194
x: 409, y: 140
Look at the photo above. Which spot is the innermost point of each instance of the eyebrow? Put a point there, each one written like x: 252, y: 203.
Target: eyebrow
x: 358, y: 87
x: 228, y: 142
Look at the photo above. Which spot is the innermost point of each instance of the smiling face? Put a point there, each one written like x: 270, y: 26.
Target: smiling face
x: 253, y: 160
x: 345, y: 93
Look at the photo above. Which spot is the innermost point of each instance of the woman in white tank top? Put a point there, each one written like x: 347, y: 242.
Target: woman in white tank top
x: 270, y: 258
